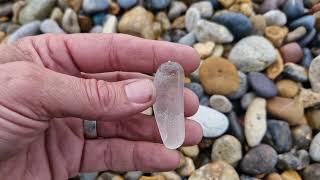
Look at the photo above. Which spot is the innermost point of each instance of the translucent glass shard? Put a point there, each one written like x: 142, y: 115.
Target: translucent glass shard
x: 169, y: 105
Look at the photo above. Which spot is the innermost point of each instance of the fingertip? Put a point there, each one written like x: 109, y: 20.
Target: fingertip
x: 193, y: 132
x: 191, y: 102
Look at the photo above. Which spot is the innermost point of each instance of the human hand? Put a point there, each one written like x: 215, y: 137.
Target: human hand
x: 48, y: 86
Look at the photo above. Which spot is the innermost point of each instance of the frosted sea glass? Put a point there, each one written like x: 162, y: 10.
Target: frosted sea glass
x: 169, y: 105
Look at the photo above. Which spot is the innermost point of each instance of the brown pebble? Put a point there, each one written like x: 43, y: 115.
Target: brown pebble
x: 313, y: 118
x: 287, y: 88
x: 276, y: 68
x: 291, y: 175
x: 114, y: 8
x: 292, y: 52
x: 296, y: 34
x: 274, y: 176
x: 276, y: 34
x: 226, y: 3
x: 219, y: 76
x: 85, y: 23
x: 286, y: 109
x: 157, y: 177
x: 259, y: 24
x: 179, y: 23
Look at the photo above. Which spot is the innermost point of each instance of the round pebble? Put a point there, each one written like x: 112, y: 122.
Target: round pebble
x: 255, y: 123
x: 196, y: 88
x: 176, y: 9
x: 287, y: 88
x: 220, y: 103
x: 190, y: 151
x: 204, y: 49
x: 262, y: 85
x: 238, y: 24
x: 314, y: 150
x: 253, y: 53
x: 293, y: 8
x: 227, y: 148
x: 278, y: 135
x: 219, y: 76
x: 213, y: 122
x: 275, y: 18
x: 314, y: 74
x: 215, y: 170
x: 290, y: 175
x: 258, y: 160
x: 187, y: 168
x: 292, y: 52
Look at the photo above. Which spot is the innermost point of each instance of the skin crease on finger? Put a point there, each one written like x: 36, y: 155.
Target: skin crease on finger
x: 36, y: 145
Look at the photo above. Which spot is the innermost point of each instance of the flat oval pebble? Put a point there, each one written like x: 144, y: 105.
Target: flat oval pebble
x: 255, y: 123
x: 258, y: 160
x: 126, y: 4
x: 220, y: 103
x: 314, y: 150
x: 189, y: 39
x: 262, y: 85
x: 247, y: 99
x: 50, y: 26
x: 210, y: 31
x: 36, y: 10
x: 296, y: 34
x: 312, y: 172
x: 157, y: 4
x: 253, y: 53
x: 219, y: 76
x: 216, y: 170
x: 275, y: 17
x: 213, y: 122
x: 227, y: 148
x: 314, y: 74
x: 92, y: 6
x: 176, y: 9
x: 29, y: 29
x: 239, y: 24
x: 278, y: 135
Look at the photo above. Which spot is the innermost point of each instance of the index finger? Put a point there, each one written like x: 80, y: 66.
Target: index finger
x: 96, y: 53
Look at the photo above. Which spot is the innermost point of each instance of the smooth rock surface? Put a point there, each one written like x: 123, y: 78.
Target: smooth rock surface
x: 302, y: 136
x: 275, y: 17
x: 205, y: 8
x: 278, y: 135
x: 296, y: 160
x: 314, y: 150
x: 314, y: 74
x: 50, y: 26
x: 243, y: 88
x: 29, y: 29
x: 312, y: 172
x: 220, y: 103
x: 192, y: 17
x: 262, y: 85
x: 295, y: 72
x: 92, y: 6
x: 70, y: 22
x: 36, y: 10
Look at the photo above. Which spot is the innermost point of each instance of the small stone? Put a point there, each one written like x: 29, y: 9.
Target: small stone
x: 110, y: 25
x: 170, y: 175
x: 187, y: 168
x: 163, y: 19
x: 213, y: 122
x: 235, y: 128
x: 157, y: 4
x: 190, y: 151
x: 179, y: 23
x: 205, y: 143
x: 270, y: 5
x: 275, y: 18
x: 312, y: 172
x: 176, y: 9
x: 246, y: 177
x: 148, y: 111
x: 85, y: 23
x: 29, y: 29
x: 189, y: 39
x: 262, y: 85
x: 293, y: 8
x: 314, y: 150
x: 292, y: 52
x: 290, y: 175
x: 220, y: 103
x: 204, y: 100
x: 138, y: 22
x: 289, y: 110
x: 295, y: 72
x: 259, y: 24
x: 73, y: 4
x: 278, y: 136
x: 258, y: 160
x: 238, y: 24
x: 96, y: 29
x: 296, y: 34
x: 314, y: 74
x: 296, y: 160
x: 255, y: 123
x: 50, y: 26
x: 93, y: 6
x: 210, y: 31
x: 16, y: 9
x: 88, y: 176
x: 205, y: 8
x: 218, y: 50
x: 182, y: 160
x: 243, y: 88
x: 306, y: 21
x: 219, y: 76
x: 276, y: 34
x: 226, y: 3
x: 253, y: 53
x: 157, y: 177
x: 228, y: 149
x: 274, y: 176
x: 307, y: 58
x: 127, y: 4
x: 306, y: 40
x: 133, y: 175
x: 109, y: 176
x: 70, y: 21
x: 216, y: 170
x: 99, y: 18
x: 191, y: 19
x: 287, y: 88
x: 196, y: 88
x: 302, y: 136
x: 36, y: 10
x: 276, y: 68
x: 6, y: 9
x: 177, y: 34
x: 204, y: 49
x: 56, y: 15
x: 309, y: 98
x: 247, y: 99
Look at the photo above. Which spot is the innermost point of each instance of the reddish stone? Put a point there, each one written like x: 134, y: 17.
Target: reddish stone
x: 291, y: 52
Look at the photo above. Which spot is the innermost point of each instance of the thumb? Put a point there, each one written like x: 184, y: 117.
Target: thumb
x: 50, y: 94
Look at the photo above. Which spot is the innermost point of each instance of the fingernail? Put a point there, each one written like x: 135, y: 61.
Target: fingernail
x: 140, y: 91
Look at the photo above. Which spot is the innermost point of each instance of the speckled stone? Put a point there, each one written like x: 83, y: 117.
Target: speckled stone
x: 296, y: 160
x: 312, y: 172
x: 287, y: 88
x: 275, y: 17
x: 295, y: 72
x: 220, y: 103
x: 314, y: 74
x: 258, y: 160
x: 302, y: 136
x: 309, y: 98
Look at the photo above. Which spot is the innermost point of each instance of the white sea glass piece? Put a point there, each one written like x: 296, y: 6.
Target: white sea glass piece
x: 169, y: 105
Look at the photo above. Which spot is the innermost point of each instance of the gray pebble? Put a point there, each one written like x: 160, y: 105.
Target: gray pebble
x: 220, y: 103
x: 243, y: 87
x: 96, y: 29
x: 235, y: 128
x: 89, y: 176
x: 295, y: 72
x: 314, y: 74
x: 296, y: 160
x: 262, y: 85
x: 315, y: 148
x: 312, y: 172
x: 247, y: 99
x: 92, y: 6
x: 36, y: 10
x: 50, y: 26
x: 70, y: 21
x: 302, y: 136
x: 29, y: 29
x: 6, y: 9
x: 133, y: 175
x: 189, y: 39
x: 275, y: 17
x: 205, y: 8
x: 176, y: 9
x: 191, y: 18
